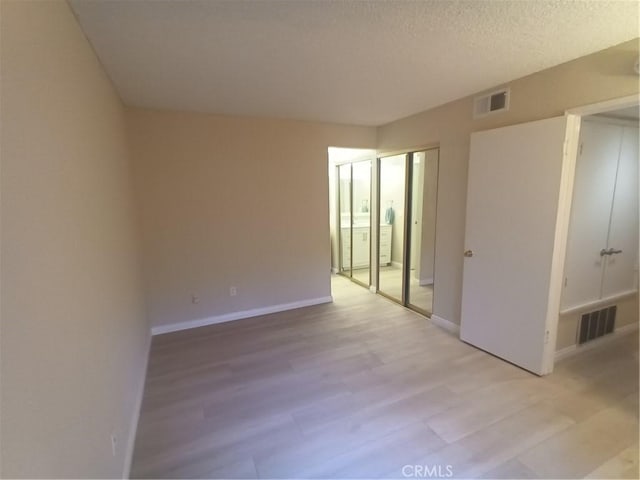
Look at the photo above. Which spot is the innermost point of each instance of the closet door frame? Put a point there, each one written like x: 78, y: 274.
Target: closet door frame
x: 567, y: 194
x: 407, y: 227
x: 341, y: 267
x: 601, y: 222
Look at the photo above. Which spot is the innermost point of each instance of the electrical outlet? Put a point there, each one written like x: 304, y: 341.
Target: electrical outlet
x: 233, y: 291
x: 195, y: 299
x: 114, y: 441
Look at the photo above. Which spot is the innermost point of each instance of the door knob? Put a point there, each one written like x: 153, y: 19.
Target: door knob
x: 468, y: 253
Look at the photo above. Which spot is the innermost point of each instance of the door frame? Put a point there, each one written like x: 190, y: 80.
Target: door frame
x: 563, y: 217
x: 560, y: 155
x: 405, y: 230
x: 339, y: 218
x: 564, y: 205
x: 564, y: 212
x: 606, y: 106
x: 565, y: 196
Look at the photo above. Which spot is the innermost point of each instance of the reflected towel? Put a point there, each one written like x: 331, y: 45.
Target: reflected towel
x: 389, y: 216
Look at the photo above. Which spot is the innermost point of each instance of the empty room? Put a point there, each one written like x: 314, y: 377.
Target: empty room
x: 342, y: 239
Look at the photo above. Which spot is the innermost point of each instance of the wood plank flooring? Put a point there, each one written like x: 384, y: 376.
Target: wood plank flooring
x: 362, y: 387
x: 420, y: 296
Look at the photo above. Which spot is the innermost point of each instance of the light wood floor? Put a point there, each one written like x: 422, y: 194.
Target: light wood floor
x: 361, y: 274
x: 362, y: 387
x: 420, y: 296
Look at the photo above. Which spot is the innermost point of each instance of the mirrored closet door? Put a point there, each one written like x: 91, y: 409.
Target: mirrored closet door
x: 391, y: 233
x: 355, y: 221
x: 407, y: 221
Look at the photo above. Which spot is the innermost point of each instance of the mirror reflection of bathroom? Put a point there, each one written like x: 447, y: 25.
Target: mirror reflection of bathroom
x: 400, y: 228
x: 424, y: 183
x: 361, y: 224
x: 408, y: 186
x: 391, y: 242
x: 350, y: 222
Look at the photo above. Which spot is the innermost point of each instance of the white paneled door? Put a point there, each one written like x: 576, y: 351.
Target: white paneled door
x: 517, y: 217
x: 602, y: 251
x: 592, y: 196
x: 620, y: 268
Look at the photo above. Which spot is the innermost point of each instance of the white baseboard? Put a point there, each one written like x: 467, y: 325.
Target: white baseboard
x: 334, y: 270
x: 596, y: 304
x: 227, y: 317
x: 131, y: 441
x: 396, y: 265
x: 446, y: 324
x: 575, y: 349
x: 373, y: 289
x: 426, y: 281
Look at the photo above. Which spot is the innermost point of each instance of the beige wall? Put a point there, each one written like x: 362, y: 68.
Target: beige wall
x: 627, y: 314
x: 604, y: 75
x: 233, y: 201
x: 222, y: 201
x: 73, y: 335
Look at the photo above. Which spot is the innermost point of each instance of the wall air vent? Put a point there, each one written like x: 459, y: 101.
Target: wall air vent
x: 493, y: 102
x: 596, y: 324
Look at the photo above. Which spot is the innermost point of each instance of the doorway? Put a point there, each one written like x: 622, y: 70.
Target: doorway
x: 407, y: 191
x: 600, y: 285
x: 354, y: 221
x: 350, y: 210
x: 514, y: 311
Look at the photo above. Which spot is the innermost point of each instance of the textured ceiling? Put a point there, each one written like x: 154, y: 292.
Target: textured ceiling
x: 359, y: 62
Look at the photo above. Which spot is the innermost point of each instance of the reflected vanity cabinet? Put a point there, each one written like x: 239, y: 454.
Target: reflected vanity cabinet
x: 360, y: 247
x: 361, y: 243
x: 385, y: 244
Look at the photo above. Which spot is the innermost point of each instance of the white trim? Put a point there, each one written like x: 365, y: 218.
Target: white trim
x: 227, y: 317
x: 593, y: 305
x: 363, y: 155
x: 446, y: 324
x: 334, y: 270
x: 425, y: 281
x: 574, y: 349
x: 135, y: 419
x: 606, y: 106
x: 602, y: 118
x: 561, y: 240
x: 373, y: 289
x: 558, y: 255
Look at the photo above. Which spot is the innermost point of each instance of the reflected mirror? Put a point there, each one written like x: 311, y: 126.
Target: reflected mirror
x: 355, y: 224
x: 344, y: 194
x: 424, y: 177
x: 361, y: 226
x: 391, y: 234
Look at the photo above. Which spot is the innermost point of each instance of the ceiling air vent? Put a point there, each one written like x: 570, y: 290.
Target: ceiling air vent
x: 493, y: 102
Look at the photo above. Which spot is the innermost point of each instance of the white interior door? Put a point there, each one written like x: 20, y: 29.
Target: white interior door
x: 517, y: 213
x: 620, y: 273
x: 595, y: 178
